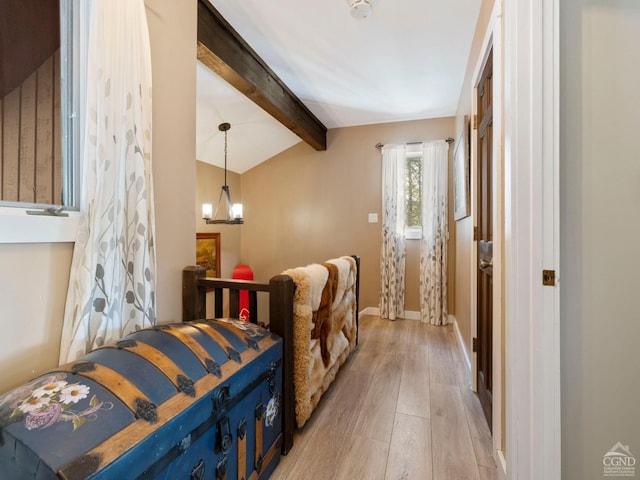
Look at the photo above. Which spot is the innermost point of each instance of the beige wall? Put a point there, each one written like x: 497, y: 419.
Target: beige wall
x: 464, y: 243
x: 464, y: 227
x: 303, y: 206
x: 33, y: 286
x: 209, y: 180
x: 599, y: 231
x: 34, y: 277
x: 172, y: 29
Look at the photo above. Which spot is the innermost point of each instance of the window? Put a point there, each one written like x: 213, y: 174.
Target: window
x: 413, y: 193
x: 41, y: 118
x: 30, y: 96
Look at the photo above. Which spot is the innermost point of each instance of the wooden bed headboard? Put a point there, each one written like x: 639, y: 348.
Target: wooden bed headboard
x: 281, y: 289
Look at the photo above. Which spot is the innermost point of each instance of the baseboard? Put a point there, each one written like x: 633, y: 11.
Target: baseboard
x: 370, y: 311
x: 411, y: 315
x: 407, y: 314
x: 467, y: 357
x: 501, y: 464
x: 414, y: 315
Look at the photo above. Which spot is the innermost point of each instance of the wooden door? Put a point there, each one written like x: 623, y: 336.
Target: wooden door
x: 485, y: 239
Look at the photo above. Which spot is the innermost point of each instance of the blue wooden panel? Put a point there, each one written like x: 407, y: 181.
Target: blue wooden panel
x: 175, y: 350
x: 54, y: 428
x: 235, y: 340
x: 218, y: 353
x: 144, y: 375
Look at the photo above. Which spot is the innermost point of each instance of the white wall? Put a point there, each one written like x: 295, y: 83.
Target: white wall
x: 600, y: 228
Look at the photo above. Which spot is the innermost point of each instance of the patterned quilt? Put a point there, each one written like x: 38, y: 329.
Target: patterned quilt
x: 324, y: 328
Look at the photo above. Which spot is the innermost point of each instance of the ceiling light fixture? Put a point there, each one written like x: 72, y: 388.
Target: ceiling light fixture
x: 234, y: 210
x: 361, y: 8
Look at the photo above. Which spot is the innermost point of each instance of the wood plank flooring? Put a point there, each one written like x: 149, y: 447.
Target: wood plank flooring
x: 400, y: 408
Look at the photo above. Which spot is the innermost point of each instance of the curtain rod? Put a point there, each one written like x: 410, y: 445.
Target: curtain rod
x: 448, y: 140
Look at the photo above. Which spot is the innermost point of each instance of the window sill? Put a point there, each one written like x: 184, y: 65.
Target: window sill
x: 18, y: 227
x: 413, y: 234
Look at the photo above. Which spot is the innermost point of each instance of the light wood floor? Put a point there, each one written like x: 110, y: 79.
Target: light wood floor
x: 400, y: 408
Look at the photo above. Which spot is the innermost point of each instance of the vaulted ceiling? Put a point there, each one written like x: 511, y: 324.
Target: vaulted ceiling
x: 406, y: 61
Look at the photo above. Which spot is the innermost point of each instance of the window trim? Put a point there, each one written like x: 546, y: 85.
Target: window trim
x: 413, y: 233
x: 18, y: 227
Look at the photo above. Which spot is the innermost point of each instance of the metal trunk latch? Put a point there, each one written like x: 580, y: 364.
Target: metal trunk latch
x: 225, y: 440
x: 221, y: 469
x: 220, y: 398
x: 197, y: 472
x: 271, y: 378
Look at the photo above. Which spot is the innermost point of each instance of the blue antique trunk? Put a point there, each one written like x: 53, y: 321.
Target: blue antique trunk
x: 196, y: 400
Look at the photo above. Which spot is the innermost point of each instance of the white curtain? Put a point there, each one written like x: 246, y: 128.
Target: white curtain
x: 392, y: 257
x: 433, y: 247
x: 113, y: 272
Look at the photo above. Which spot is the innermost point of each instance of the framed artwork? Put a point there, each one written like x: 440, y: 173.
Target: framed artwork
x: 208, y: 252
x: 461, y: 185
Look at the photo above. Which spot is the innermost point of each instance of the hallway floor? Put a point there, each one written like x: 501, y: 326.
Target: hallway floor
x: 400, y: 408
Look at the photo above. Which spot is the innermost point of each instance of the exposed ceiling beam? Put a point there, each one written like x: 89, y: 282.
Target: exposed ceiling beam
x: 224, y: 51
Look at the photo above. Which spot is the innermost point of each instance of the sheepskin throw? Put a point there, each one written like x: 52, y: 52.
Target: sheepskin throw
x: 324, y: 323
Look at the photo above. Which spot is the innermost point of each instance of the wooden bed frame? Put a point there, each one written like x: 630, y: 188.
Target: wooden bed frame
x: 281, y: 290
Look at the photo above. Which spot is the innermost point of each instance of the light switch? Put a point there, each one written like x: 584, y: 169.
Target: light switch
x: 373, y: 218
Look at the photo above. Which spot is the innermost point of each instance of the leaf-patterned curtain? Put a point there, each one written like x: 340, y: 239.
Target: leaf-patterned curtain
x: 113, y: 272
x: 392, y: 256
x: 435, y: 232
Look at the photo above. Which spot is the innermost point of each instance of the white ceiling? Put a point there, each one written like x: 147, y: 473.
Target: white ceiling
x: 404, y: 62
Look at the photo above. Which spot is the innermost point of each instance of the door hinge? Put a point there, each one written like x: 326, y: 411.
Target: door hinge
x: 548, y: 278
x: 475, y: 234
x: 475, y: 122
x: 474, y: 345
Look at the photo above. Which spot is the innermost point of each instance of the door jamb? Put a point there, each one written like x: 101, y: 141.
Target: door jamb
x: 532, y: 238
x: 492, y: 39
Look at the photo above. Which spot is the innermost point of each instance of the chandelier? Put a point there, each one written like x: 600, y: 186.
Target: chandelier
x: 234, y: 210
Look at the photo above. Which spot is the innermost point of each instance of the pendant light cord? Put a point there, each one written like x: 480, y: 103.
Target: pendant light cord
x: 225, y: 157
x: 224, y: 192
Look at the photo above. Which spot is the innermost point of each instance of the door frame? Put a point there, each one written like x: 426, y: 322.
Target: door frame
x: 525, y: 39
x: 531, y: 139
x: 492, y: 40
